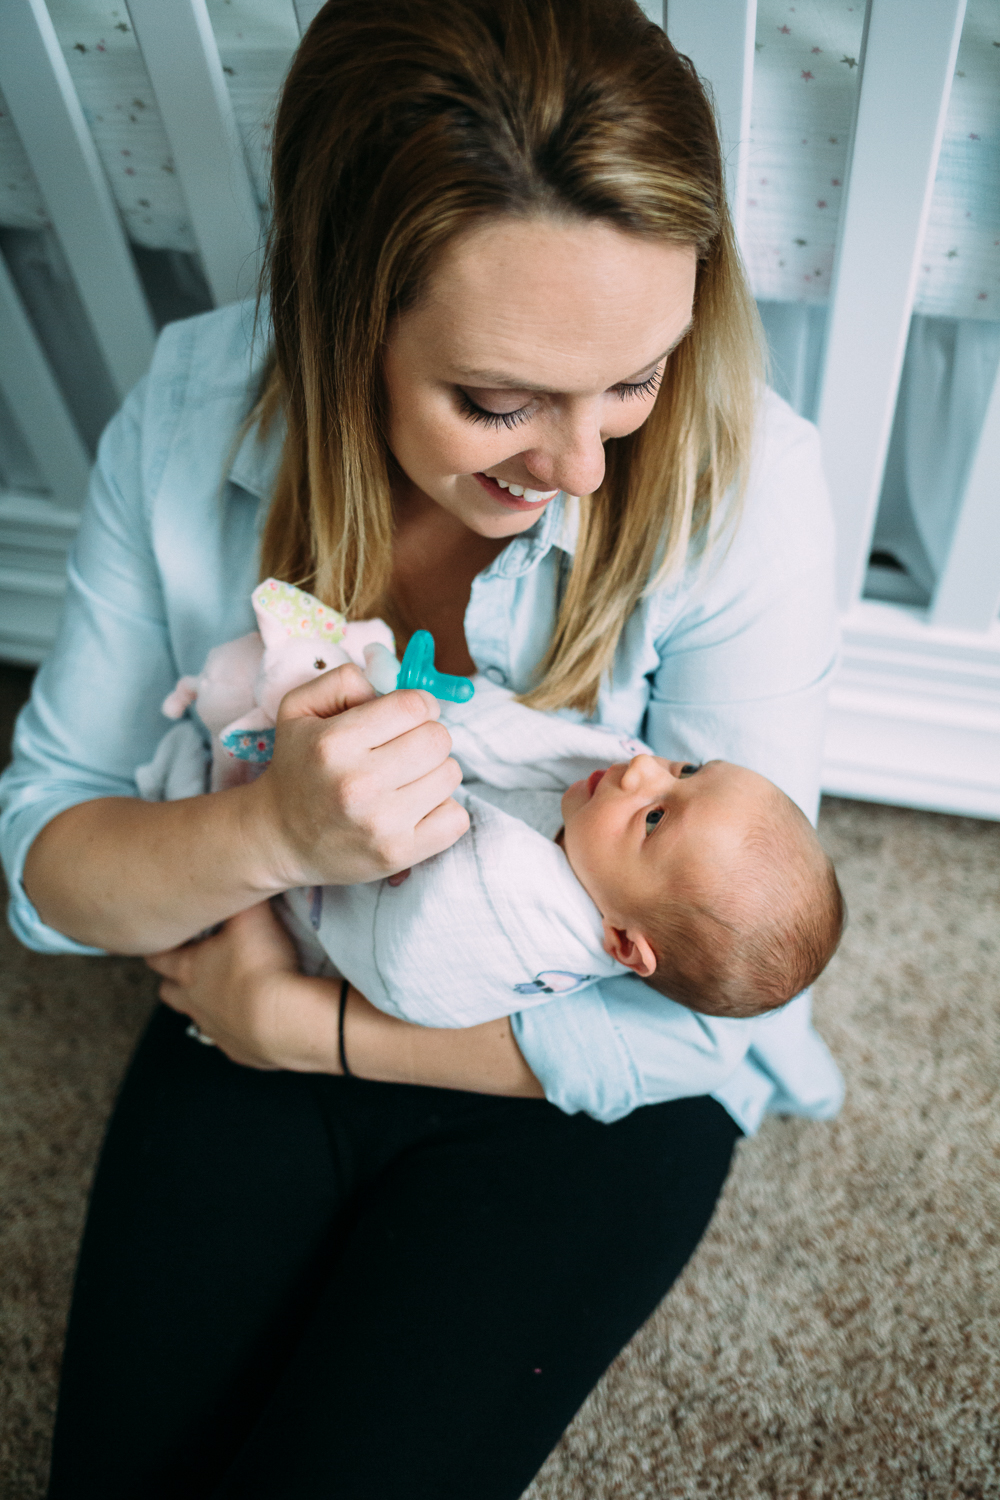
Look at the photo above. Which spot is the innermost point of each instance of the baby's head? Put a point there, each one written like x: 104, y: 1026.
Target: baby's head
x: 710, y: 882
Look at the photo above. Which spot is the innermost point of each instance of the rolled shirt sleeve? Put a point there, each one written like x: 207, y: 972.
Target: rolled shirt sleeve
x: 161, y: 570
x: 95, y: 703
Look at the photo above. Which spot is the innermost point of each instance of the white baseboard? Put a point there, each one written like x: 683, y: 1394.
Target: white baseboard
x: 915, y: 714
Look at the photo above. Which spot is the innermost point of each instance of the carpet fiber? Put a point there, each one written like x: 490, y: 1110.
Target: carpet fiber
x: 836, y: 1333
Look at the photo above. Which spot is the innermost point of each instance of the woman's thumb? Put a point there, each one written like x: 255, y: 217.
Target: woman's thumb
x: 324, y: 697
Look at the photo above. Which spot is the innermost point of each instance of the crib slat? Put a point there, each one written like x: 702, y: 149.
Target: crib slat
x: 968, y: 594
x: 305, y: 11
x: 719, y: 40
x: 46, y: 111
x: 37, y: 402
x: 907, y: 68
x: 182, y: 59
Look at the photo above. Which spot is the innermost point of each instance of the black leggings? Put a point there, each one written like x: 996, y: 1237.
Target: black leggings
x: 295, y: 1286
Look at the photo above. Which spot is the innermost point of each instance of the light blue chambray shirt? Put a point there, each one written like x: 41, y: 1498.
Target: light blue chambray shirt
x: 730, y: 661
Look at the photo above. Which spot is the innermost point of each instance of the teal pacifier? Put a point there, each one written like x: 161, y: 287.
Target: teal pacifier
x: 418, y: 671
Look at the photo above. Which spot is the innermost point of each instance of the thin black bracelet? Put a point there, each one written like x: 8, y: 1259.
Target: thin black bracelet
x: 345, y: 985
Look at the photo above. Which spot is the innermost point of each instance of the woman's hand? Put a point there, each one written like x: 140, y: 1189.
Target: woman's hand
x: 359, y: 787
x: 242, y: 988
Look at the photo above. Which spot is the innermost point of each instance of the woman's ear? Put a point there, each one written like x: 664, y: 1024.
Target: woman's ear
x: 630, y: 948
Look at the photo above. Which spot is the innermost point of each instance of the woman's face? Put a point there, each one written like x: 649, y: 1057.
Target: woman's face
x: 536, y: 341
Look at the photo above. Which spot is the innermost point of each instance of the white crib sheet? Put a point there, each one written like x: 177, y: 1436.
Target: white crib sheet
x: 804, y: 91
x: 805, y: 87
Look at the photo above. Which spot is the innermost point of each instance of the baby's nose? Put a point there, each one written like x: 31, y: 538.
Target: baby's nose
x: 646, y: 770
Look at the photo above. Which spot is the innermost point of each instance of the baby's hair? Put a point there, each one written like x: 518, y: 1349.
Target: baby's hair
x: 753, y: 937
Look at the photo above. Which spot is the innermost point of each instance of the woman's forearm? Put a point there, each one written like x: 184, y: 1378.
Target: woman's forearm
x: 244, y: 989
x: 358, y: 788
x: 138, y: 877
x: 480, y: 1059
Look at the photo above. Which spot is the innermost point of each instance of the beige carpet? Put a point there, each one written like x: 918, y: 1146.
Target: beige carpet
x: 835, y: 1335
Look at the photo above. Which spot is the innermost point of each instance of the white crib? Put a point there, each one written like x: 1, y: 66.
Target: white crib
x: 915, y: 707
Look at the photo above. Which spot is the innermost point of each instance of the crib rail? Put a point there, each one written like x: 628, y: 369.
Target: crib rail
x: 59, y: 145
x: 968, y: 595
x: 184, y: 68
x: 905, y: 82
x: 915, y: 710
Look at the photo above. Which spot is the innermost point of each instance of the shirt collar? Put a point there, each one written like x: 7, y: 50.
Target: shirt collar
x: 257, y: 460
x: 557, y: 526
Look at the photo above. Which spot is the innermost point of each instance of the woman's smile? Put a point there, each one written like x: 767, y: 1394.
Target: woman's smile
x: 515, y: 496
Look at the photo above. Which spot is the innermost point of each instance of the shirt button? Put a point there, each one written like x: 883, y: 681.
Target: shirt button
x: 495, y: 675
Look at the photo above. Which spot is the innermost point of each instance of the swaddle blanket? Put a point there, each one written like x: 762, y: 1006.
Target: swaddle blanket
x: 494, y: 924
x: 498, y: 922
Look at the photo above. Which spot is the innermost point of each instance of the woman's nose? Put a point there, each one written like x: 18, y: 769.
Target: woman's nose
x: 573, y: 457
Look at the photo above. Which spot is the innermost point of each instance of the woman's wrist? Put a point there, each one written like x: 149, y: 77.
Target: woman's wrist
x: 268, y: 863
x: 479, y: 1059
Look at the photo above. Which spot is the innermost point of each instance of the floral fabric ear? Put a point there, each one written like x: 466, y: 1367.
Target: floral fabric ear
x: 284, y: 610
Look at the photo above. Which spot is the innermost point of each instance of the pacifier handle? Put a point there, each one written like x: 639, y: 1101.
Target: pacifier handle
x: 418, y: 671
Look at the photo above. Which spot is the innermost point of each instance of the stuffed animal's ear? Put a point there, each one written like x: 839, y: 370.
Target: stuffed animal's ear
x: 283, y: 612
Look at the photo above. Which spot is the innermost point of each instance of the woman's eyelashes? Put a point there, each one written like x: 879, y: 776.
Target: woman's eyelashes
x: 492, y: 418
x: 625, y: 391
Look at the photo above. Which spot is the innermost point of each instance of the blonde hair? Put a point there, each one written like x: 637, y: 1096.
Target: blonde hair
x: 401, y: 126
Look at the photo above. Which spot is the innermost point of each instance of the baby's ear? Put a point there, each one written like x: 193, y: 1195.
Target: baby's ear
x: 630, y: 947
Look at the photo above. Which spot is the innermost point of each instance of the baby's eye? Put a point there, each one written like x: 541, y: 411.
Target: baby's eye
x: 689, y: 770
x: 652, y: 818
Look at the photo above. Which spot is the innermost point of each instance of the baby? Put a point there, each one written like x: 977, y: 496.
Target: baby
x: 705, y: 881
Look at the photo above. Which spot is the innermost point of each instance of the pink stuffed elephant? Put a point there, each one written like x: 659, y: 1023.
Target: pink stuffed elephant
x: 239, y: 688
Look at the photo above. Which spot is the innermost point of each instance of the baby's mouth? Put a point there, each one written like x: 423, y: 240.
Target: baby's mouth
x: 592, y: 782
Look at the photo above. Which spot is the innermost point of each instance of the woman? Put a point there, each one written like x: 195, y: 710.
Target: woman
x: 501, y: 276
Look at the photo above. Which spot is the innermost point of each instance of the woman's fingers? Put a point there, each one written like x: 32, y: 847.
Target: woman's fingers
x: 173, y: 964
x: 173, y: 995
x: 382, y: 719
x: 441, y: 828
x: 411, y: 803
x: 264, y: 937
x: 352, y: 778
x: 323, y: 697
x: 410, y: 757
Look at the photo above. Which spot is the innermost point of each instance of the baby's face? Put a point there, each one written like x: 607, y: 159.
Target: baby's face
x: 639, y: 826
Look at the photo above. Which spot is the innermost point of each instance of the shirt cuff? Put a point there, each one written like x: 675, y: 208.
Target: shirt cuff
x: 617, y: 1045
x: 27, y: 926
x: 578, y: 1055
